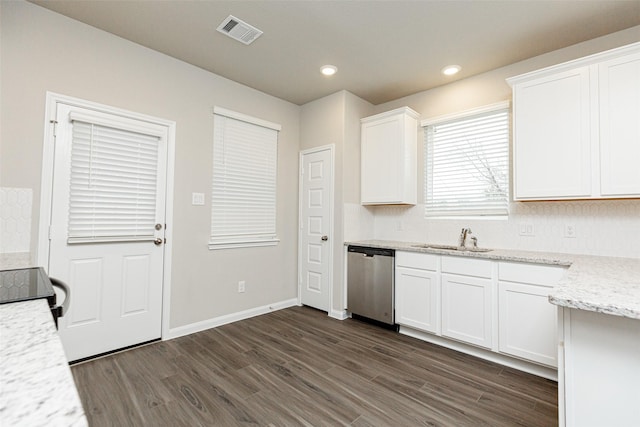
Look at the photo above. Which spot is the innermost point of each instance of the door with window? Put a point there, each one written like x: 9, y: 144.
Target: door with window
x: 107, y: 228
x: 316, y: 181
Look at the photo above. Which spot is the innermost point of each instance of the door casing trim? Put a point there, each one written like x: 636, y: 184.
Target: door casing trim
x: 46, y: 187
x: 331, y: 148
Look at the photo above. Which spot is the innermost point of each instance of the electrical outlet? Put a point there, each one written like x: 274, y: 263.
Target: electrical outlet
x: 570, y: 231
x: 197, y: 199
x: 527, y: 230
x: 241, y: 286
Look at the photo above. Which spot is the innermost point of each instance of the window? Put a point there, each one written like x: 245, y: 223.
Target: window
x: 114, y: 180
x: 467, y: 163
x: 243, y: 198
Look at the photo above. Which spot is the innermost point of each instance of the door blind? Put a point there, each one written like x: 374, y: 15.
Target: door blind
x: 467, y: 165
x: 243, y: 200
x: 113, y: 184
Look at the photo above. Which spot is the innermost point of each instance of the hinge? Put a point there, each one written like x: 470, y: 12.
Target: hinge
x: 49, y: 232
x: 55, y: 126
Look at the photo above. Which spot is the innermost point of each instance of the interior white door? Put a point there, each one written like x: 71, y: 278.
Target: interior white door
x: 315, y: 228
x: 107, y: 228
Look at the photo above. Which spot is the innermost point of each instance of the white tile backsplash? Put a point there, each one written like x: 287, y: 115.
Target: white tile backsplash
x: 602, y: 227
x: 359, y: 222
x: 15, y: 219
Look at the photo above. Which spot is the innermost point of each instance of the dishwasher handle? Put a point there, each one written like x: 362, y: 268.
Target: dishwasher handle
x: 369, y: 252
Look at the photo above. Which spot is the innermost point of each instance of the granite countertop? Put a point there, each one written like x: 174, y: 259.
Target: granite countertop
x: 594, y: 283
x: 36, y: 385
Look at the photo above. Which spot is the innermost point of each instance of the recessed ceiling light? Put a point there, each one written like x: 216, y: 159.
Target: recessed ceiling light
x: 328, y: 70
x: 450, y: 70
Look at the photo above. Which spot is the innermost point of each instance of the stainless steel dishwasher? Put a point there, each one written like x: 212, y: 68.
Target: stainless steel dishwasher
x: 370, y: 283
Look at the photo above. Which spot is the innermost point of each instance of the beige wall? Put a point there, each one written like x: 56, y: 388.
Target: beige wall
x: 43, y: 51
x: 335, y: 119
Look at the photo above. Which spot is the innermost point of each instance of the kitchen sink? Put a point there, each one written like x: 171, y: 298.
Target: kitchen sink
x: 450, y: 248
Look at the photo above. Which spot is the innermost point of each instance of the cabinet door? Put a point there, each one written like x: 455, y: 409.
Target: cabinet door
x: 418, y: 299
x: 619, y: 102
x: 528, y: 323
x: 381, y: 163
x: 466, y: 309
x: 552, y: 148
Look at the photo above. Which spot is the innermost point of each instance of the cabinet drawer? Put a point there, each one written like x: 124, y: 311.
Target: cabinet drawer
x: 417, y: 260
x: 466, y: 266
x: 535, y: 274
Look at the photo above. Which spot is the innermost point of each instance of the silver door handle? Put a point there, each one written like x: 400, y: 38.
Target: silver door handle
x: 157, y: 241
x: 324, y: 238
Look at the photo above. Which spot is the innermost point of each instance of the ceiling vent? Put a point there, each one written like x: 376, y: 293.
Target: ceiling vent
x: 239, y: 30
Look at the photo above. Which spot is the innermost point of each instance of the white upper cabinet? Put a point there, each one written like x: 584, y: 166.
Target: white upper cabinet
x: 389, y: 158
x: 619, y: 84
x: 548, y: 110
x: 576, y: 133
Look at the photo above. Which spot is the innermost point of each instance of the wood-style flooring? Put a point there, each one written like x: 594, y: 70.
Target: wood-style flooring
x: 298, y: 367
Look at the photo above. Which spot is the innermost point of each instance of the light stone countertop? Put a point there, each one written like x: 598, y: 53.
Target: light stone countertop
x: 36, y: 385
x: 606, y: 285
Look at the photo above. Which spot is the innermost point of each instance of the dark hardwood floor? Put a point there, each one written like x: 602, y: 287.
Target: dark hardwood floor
x: 298, y: 367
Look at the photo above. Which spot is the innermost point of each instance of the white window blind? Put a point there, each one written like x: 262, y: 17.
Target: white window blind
x: 467, y: 163
x: 113, y: 184
x: 243, y: 200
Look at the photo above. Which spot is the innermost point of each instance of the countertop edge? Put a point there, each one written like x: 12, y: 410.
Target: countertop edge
x: 607, y: 285
x: 35, y: 378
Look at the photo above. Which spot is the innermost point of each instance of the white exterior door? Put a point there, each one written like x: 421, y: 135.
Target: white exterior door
x: 315, y: 228
x: 106, y: 237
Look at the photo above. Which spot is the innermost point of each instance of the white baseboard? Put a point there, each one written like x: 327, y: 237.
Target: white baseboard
x: 338, y: 314
x: 228, y: 318
x: 521, y: 365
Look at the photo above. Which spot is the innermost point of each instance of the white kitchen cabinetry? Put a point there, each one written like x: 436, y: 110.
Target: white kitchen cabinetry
x: 527, y: 321
x: 576, y: 132
x: 467, y: 300
x: 418, y: 291
x: 389, y: 158
x: 497, y: 310
x: 546, y: 111
x: 619, y: 130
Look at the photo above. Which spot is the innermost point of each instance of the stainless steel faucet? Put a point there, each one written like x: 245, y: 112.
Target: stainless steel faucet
x: 462, y: 240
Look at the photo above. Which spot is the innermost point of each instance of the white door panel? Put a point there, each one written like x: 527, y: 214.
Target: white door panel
x: 116, y: 282
x: 315, y: 229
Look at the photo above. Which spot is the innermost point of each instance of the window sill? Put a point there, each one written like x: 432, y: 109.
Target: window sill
x: 243, y: 244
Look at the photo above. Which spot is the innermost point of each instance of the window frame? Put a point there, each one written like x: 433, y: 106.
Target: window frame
x: 231, y: 240
x: 479, y: 213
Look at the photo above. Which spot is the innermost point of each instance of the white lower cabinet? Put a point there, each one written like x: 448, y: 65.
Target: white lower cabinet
x: 496, y: 305
x: 418, y: 291
x: 527, y: 321
x: 466, y: 309
x: 467, y: 300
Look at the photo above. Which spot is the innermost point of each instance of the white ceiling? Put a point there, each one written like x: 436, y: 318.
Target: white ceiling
x: 384, y: 50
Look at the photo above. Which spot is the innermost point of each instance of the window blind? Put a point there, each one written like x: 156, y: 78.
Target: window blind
x: 243, y: 199
x: 467, y: 163
x: 113, y: 184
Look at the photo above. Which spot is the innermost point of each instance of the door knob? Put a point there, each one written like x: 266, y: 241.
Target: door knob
x: 324, y: 238
x: 157, y: 241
